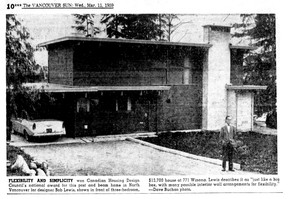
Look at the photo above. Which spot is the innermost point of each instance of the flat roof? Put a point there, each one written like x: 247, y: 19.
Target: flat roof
x: 246, y: 87
x: 128, y: 41
x: 59, y: 88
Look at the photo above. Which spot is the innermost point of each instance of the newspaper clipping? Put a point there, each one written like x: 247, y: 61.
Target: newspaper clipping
x: 153, y: 98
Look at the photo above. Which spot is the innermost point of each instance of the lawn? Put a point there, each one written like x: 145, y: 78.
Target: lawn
x: 260, y: 154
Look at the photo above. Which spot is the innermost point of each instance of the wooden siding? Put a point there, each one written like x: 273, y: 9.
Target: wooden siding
x: 60, y: 63
x: 126, y: 65
x: 120, y: 78
x: 183, y: 110
x: 131, y: 65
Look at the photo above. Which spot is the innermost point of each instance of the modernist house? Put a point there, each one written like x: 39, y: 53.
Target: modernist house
x: 110, y: 86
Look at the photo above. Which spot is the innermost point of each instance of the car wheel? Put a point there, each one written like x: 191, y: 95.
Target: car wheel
x: 27, y: 137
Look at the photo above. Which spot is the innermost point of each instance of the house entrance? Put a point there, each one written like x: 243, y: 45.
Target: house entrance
x: 244, y: 111
x: 83, y: 117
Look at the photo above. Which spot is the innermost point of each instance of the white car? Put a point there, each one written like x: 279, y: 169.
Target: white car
x: 38, y: 128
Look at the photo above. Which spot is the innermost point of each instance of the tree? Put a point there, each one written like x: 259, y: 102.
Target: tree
x: 170, y: 23
x: 112, y: 24
x: 169, y: 27
x: 19, y: 53
x: 260, y: 65
x: 20, y: 68
x: 159, y: 27
x: 85, y: 24
x: 132, y: 26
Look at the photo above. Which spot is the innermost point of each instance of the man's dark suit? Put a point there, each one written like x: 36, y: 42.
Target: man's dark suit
x: 227, y: 141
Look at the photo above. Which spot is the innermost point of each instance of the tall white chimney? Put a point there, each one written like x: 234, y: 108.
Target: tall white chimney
x: 216, y: 74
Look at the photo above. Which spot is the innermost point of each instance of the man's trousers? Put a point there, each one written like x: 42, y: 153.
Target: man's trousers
x: 227, y: 155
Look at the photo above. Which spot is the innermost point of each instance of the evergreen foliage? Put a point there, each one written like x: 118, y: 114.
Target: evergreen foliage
x: 260, y: 65
x: 20, y: 68
x: 132, y: 26
x: 85, y: 24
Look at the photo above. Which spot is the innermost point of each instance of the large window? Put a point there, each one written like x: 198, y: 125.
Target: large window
x: 83, y: 105
x: 123, y: 104
x: 186, y: 76
x: 106, y: 103
x: 186, y: 72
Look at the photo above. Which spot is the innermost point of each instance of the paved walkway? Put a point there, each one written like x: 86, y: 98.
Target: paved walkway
x: 260, y: 128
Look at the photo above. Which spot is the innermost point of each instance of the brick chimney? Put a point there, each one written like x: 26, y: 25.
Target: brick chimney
x: 216, y: 74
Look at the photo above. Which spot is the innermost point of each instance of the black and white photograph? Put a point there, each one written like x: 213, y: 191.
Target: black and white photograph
x: 114, y: 97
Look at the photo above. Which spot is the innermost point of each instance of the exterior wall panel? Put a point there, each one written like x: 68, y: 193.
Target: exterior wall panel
x: 60, y: 63
x: 132, y: 65
x: 184, y: 110
x: 92, y: 65
x: 237, y: 74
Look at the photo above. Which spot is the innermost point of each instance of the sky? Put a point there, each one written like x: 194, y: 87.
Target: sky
x: 47, y: 27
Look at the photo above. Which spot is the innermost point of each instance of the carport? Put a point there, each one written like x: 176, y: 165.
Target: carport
x: 99, y: 110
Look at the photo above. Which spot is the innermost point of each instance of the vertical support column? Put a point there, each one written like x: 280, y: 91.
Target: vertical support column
x: 252, y: 111
x: 75, y: 114
x: 157, y: 114
x: 167, y: 67
x: 232, y: 106
x: 187, y: 71
x: 205, y: 92
x: 216, y: 74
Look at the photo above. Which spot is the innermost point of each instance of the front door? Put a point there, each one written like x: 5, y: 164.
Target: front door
x: 244, y: 111
x: 83, y: 117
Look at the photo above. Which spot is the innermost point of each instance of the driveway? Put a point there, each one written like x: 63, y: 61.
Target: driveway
x: 118, y: 158
x: 262, y: 128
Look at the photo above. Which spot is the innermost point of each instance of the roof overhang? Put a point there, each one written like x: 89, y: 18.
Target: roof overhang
x: 245, y: 87
x: 57, y: 88
x: 219, y: 25
x: 243, y: 47
x: 127, y: 41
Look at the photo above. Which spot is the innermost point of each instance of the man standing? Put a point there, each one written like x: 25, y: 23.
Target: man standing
x: 227, y: 139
